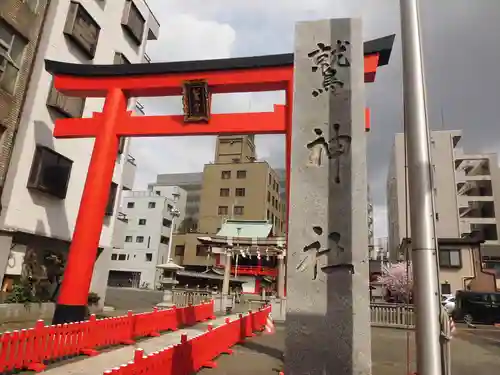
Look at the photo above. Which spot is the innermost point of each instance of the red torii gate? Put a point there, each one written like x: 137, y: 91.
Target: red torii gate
x: 117, y: 83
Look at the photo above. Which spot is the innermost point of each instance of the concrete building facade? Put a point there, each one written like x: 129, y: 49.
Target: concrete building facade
x: 44, y: 183
x: 191, y: 183
x: 466, y: 189
x: 147, y: 236
x: 467, y: 199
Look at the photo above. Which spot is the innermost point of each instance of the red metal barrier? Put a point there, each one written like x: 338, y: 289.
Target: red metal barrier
x: 31, y: 349
x: 190, y: 356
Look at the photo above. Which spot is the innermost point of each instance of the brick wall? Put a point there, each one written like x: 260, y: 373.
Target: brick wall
x: 28, y: 24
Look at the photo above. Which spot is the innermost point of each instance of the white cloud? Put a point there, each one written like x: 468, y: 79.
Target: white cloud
x: 189, y: 37
x: 186, y: 37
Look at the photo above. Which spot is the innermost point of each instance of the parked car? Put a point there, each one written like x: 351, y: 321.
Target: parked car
x: 477, y: 307
x: 448, y: 302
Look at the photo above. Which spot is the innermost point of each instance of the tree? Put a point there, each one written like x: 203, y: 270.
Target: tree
x: 397, y: 279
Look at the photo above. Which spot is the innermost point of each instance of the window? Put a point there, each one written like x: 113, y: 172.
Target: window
x: 111, y: 199
x: 139, y: 239
x: 142, y: 221
x: 445, y: 288
x: 82, y: 29
x: 149, y: 257
x: 133, y: 22
x: 477, y: 297
x: 130, y: 204
x: 114, y: 256
x: 201, y: 250
x: 223, y: 210
x: 179, y: 250
x: 270, y: 179
x: 164, y: 240
x: 12, y: 47
x: 238, y: 210
x: 241, y: 174
x: 269, y: 196
x: 151, y: 204
x: 67, y: 106
x: 50, y: 172
x: 224, y: 192
x: 268, y: 215
x: 167, y: 223
x: 450, y: 258
x: 157, y: 192
x: 240, y: 192
x: 225, y: 175
x: 122, y: 257
x: 170, y: 207
x: 128, y: 238
x: 120, y: 59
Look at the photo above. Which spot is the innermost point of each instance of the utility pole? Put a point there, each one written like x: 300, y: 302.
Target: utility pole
x: 424, y: 251
x: 175, y: 214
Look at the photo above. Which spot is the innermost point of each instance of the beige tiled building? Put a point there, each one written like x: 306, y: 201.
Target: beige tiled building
x: 460, y: 265
x: 235, y: 186
x: 21, y: 22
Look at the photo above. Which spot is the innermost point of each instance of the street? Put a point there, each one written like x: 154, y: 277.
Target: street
x: 473, y: 352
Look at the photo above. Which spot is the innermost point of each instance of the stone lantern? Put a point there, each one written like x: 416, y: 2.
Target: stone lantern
x: 168, y: 281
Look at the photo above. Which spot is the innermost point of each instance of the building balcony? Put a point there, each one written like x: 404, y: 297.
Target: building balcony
x: 475, y: 188
x: 128, y: 174
x: 119, y: 230
x: 476, y: 208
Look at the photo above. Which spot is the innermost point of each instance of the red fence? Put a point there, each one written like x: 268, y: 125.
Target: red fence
x: 189, y: 356
x: 31, y: 349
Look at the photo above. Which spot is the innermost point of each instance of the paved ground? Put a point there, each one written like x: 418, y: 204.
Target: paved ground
x: 472, y: 353
x: 129, y: 298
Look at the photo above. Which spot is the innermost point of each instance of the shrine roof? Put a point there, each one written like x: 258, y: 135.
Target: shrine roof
x: 245, y: 228
x: 381, y: 46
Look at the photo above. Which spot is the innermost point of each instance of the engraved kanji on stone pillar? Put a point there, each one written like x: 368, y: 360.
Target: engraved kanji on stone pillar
x: 328, y: 317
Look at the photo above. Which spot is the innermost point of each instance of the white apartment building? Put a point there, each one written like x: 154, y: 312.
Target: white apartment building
x: 192, y: 184
x: 466, y: 188
x: 46, y: 176
x: 145, y: 239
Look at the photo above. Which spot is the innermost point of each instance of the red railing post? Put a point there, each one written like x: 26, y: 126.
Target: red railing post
x: 90, y: 335
x: 132, y: 321
x: 35, y: 350
x: 212, y: 310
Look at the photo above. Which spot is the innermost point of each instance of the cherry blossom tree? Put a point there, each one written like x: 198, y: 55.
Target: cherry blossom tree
x: 397, y: 279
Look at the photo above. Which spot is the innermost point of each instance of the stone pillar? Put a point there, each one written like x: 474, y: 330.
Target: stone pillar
x: 328, y: 319
x: 281, y: 276
x: 227, y: 274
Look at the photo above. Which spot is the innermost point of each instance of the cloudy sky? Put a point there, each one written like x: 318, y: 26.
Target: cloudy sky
x: 461, y: 47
